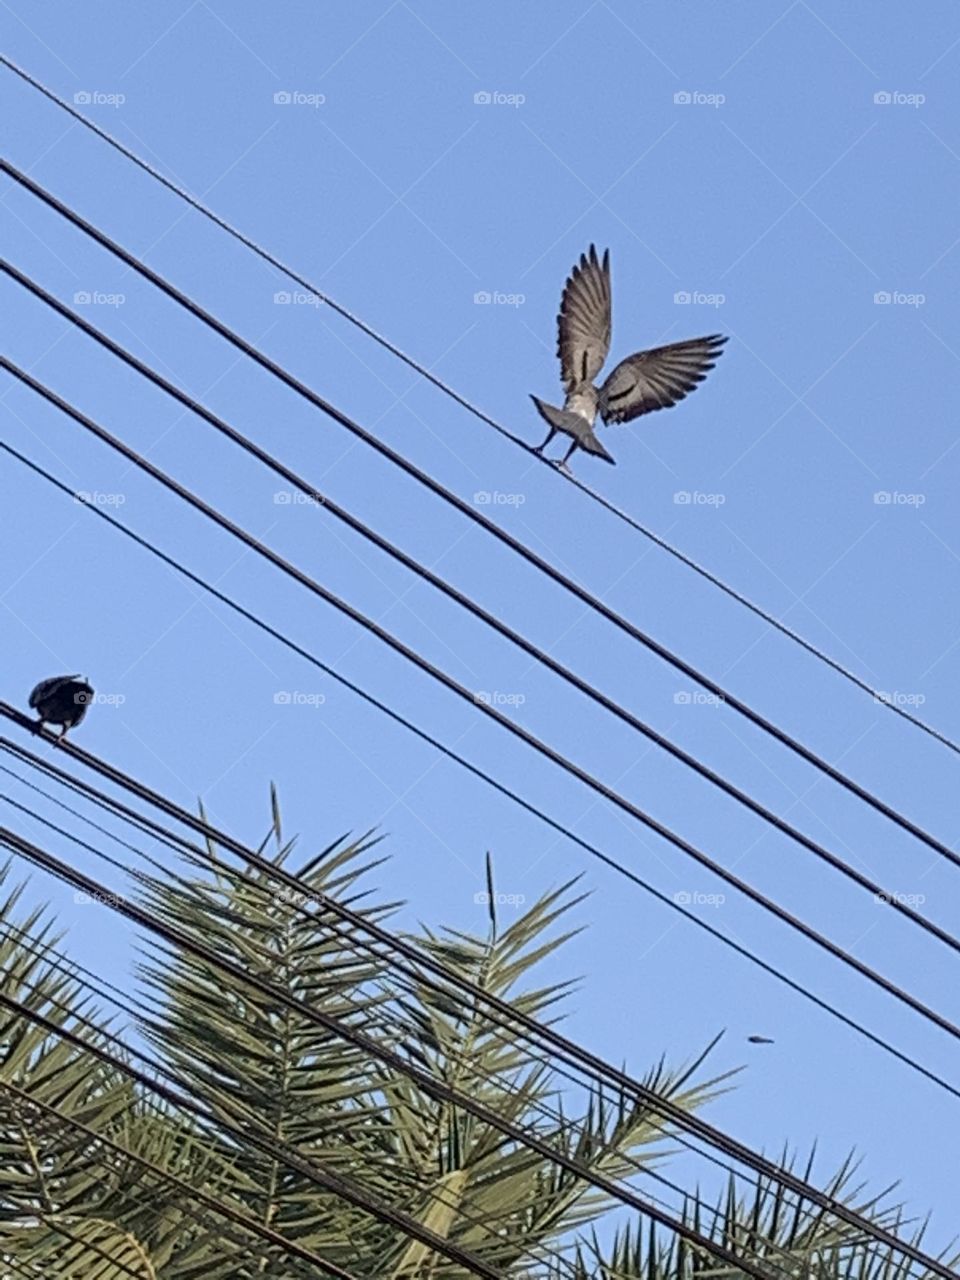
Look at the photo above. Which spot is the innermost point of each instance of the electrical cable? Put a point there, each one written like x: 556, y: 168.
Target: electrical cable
x: 424, y: 372
x: 593, y: 602
x: 514, y: 728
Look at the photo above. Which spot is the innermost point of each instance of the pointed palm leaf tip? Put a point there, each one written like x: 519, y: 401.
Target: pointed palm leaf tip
x: 491, y: 900
x: 656, y: 378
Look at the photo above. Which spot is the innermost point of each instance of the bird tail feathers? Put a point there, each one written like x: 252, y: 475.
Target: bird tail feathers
x: 572, y: 424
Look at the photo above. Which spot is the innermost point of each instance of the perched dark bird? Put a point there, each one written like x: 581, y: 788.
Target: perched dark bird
x: 647, y: 380
x: 61, y: 700
x: 760, y: 1040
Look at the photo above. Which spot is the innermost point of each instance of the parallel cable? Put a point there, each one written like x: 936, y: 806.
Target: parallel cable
x: 454, y: 395
x: 871, y: 1230
x: 475, y: 993
x: 140, y: 1010
x: 64, y: 963
x: 412, y: 979
x: 534, y: 651
x: 710, y: 1134
x: 430, y: 1085
x: 183, y: 1099
x: 361, y: 433
x: 529, y: 739
x: 218, y: 1206
x: 211, y: 833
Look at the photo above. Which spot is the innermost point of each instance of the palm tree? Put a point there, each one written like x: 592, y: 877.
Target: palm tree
x: 100, y: 1178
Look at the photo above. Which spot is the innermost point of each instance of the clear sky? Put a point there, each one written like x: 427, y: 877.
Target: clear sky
x: 783, y: 198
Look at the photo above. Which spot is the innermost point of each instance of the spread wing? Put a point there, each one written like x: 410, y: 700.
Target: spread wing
x: 658, y: 378
x: 584, y: 320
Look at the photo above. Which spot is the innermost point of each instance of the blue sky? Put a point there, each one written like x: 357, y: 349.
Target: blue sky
x: 813, y: 172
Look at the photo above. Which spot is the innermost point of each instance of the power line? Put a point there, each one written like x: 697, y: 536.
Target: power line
x: 137, y: 1009
x: 213, y: 833
x: 164, y: 1070
x: 692, y: 1124
x: 718, y: 1214
x: 678, y: 1115
x: 487, y: 1223
x: 517, y: 730
x: 433, y: 1087
x: 193, y: 1193
x: 410, y: 976
x: 464, y: 601
x: 181, y: 815
x: 424, y: 372
x: 512, y: 1016
x: 435, y: 487
x: 183, y: 1099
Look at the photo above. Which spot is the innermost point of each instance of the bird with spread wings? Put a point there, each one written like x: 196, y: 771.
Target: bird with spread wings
x: 647, y: 380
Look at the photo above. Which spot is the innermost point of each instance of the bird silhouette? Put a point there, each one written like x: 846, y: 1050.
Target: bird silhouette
x: 61, y: 700
x: 647, y: 380
x: 760, y: 1040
